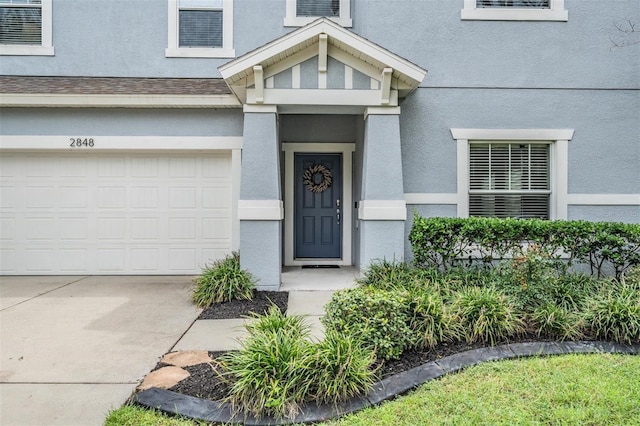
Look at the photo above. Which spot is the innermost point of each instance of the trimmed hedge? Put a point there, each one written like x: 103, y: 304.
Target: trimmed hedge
x: 447, y: 242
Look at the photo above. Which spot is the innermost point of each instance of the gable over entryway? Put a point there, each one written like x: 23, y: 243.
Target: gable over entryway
x: 318, y: 198
x: 364, y: 75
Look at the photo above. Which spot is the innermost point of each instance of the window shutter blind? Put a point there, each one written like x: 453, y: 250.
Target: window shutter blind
x: 318, y: 8
x: 509, y: 180
x: 200, y: 28
x: 20, y: 25
x: 538, y: 4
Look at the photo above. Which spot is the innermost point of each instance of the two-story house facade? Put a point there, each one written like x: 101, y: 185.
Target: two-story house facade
x: 154, y: 136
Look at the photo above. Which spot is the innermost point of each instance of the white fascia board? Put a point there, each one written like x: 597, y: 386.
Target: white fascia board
x: 382, y: 210
x: 260, y: 210
x: 322, y: 97
x: 131, y: 101
x: 513, y: 134
x: 322, y: 26
x: 121, y: 143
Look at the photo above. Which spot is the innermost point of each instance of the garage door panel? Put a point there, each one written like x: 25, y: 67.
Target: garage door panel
x: 73, y: 260
x: 39, y: 260
x: 144, y: 197
x: 7, y: 261
x: 114, y: 214
x: 40, y: 166
x: 73, y: 197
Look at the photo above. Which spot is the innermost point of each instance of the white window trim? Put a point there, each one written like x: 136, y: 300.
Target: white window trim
x: 44, y: 49
x: 226, y: 51
x: 556, y: 12
x: 558, y: 140
x: 291, y: 20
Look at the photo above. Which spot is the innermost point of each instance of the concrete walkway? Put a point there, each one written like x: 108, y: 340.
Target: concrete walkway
x: 73, y: 348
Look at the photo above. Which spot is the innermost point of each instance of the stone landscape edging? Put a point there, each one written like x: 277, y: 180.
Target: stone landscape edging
x: 222, y: 412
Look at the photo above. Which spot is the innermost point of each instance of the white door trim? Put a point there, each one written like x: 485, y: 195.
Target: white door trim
x: 290, y: 149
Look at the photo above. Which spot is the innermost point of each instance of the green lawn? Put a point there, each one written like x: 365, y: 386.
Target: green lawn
x: 567, y: 390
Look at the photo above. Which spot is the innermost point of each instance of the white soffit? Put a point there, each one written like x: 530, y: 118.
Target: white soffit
x: 362, y: 50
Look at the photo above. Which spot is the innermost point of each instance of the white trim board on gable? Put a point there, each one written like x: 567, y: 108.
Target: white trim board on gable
x: 323, y: 38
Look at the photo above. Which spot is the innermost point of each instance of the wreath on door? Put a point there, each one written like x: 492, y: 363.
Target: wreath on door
x: 317, y: 178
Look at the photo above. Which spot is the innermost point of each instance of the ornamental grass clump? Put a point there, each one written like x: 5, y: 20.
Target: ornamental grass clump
x: 386, y: 274
x: 342, y: 368
x: 278, y: 368
x: 432, y: 322
x: 557, y: 322
x: 272, y: 372
x: 486, y: 315
x: 615, y: 314
x: 223, y: 281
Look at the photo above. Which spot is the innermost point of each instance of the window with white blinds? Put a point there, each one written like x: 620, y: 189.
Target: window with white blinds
x: 538, y: 4
x: 514, y: 10
x: 200, y: 29
x: 509, y: 180
x: 318, y: 8
x: 302, y: 12
x: 21, y: 22
x: 200, y: 23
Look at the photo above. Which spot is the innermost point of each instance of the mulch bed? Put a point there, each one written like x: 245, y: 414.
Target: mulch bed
x: 206, y: 381
x: 260, y: 304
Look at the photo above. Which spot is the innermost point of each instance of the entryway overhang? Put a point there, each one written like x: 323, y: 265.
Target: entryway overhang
x: 271, y: 75
x: 320, y: 68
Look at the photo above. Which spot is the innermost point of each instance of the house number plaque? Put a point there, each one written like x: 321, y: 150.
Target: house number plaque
x: 81, y: 142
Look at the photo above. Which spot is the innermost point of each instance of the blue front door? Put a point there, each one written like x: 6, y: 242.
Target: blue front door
x: 318, y: 205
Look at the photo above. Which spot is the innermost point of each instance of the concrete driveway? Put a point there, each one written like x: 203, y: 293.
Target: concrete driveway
x: 73, y: 348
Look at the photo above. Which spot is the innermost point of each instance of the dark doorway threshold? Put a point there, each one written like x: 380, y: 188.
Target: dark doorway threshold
x: 320, y: 267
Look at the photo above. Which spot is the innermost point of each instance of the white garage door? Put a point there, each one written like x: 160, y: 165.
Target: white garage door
x: 113, y: 213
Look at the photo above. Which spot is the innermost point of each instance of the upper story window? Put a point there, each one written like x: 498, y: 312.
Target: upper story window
x: 200, y: 29
x: 301, y: 12
x: 515, y: 10
x: 25, y: 27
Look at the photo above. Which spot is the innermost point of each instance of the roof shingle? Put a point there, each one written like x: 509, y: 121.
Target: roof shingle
x: 113, y: 85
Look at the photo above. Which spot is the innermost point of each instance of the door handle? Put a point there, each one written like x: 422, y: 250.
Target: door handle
x: 338, y: 216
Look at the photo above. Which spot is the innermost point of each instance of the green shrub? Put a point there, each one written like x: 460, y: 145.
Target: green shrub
x: 378, y: 319
x: 223, y: 281
x: 342, y: 368
x: 273, y: 371
x: 554, y: 321
x: 444, y: 243
x: 615, y: 315
x: 486, y: 315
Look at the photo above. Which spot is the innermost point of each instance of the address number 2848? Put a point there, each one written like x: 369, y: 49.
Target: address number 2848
x: 81, y: 142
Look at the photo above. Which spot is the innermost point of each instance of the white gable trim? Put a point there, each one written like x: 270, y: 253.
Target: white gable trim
x: 309, y: 35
